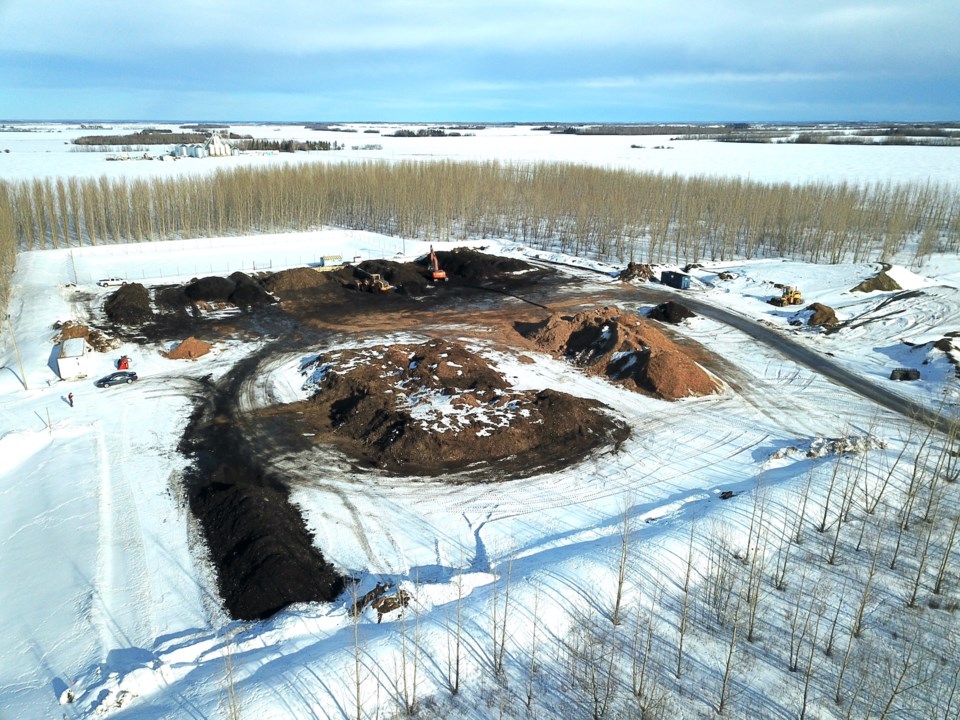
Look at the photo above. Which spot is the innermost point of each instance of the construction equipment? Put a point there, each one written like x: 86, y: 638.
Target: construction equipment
x: 372, y: 282
x: 436, y: 273
x: 789, y: 296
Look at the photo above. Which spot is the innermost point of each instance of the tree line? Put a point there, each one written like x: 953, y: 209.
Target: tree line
x: 615, y: 215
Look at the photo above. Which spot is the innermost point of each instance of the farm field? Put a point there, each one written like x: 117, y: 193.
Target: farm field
x: 507, y: 494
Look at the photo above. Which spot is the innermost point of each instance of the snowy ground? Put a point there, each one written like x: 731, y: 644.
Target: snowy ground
x: 106, y: 594
x: 45, y: 151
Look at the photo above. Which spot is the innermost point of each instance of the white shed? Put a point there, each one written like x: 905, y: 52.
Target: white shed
x: 73, y: 360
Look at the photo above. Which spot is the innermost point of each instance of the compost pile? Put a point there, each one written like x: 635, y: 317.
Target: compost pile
x: 670, y: 312
x: 189, y: 349
x: 129, y: 305
x: 880, y: 281
x: 822, y: 316
x: 625, y: 348
x: 438, y: 407
x: 290, y: 282
x: 406, y: 277
x: 475, y: 266
x: 238, y: 288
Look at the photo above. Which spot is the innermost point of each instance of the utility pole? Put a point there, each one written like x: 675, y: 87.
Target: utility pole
x: 13, y: 336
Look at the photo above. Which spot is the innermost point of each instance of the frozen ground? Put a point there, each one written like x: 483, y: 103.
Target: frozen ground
x: 106, y: 594
x: 46, y: 151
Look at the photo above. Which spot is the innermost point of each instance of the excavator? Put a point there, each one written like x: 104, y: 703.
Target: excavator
x: 436, y: 273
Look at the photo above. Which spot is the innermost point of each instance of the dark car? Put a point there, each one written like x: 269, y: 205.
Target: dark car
x: 117, y: 378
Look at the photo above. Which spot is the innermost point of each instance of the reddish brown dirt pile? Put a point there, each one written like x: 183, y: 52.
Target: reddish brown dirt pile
x: 670, y: 312
x: 189, y: 349
x: 823, y: 316
x: 98, y: 341
x: 625, y: 348
x: 436, y: 407
x: 129, y: 305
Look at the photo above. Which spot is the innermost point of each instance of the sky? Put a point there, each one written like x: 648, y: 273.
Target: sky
x: 472, y: 60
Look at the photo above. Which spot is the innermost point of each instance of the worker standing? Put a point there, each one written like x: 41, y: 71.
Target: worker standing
x: 70, y: 399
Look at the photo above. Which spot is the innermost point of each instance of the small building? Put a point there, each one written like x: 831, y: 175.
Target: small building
x: 74, y: 359
x: 675, y: 279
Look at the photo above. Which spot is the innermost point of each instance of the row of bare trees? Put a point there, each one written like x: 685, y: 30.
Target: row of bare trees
x: 612, y: 214
x: 842, y: 598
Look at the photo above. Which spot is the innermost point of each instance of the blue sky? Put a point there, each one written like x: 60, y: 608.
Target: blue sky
x: 472, y: 60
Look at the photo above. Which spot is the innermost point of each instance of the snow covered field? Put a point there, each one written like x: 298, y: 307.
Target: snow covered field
x: 46, y: 151
x: 107, y: 598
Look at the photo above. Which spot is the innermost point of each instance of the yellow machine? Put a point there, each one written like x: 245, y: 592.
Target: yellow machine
x: 790, y: 296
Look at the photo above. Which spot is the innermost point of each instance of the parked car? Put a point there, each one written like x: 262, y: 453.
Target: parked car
x: 117, y: 378
x: 111, y: 282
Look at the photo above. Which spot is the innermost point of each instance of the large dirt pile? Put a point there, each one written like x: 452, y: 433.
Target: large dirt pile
x: 436, y: 407
x: 302, y: 278
x: 406, y: 277
x: 880, y: 281
x: 129, y: 305
x: 625, y: 348
x: 671, y: 312
x: 239, y: 289
x: 265, y: 556
x: 475, y: 266
x: 189, y: 349
x: 823, y: 316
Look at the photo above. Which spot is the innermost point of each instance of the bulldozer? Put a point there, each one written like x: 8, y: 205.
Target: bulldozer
x: 790, y: 296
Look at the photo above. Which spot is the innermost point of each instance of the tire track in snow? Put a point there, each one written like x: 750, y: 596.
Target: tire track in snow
x: 121, y: 584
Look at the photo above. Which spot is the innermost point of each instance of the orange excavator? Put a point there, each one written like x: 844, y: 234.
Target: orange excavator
x: 435, y: 272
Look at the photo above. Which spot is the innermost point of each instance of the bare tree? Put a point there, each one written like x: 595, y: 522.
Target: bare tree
x: 622, y: 567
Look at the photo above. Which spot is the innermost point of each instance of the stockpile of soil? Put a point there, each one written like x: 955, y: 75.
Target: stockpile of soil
x: 880, y: 281
x: 637, y: 271
x: 406, y: 277
x: 189, y: 349
x: 71, y: 329
x: 823, y: 316
x: 435, y: 407
x: 129, y: 305
x: 670, y: 312
x: 264, y: 554
x: 239, y: 289
x: 303, y: 278
x: 474, y: 266
x: 625, y: 348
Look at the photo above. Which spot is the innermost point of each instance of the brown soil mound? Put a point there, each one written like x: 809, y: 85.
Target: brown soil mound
x: 98, y: 341
x: 189, y: 349
x: 406, y: 277
x: 625, y: 348
x: 239, y: 289
x: 435, y: 407
x: 302, y: 278
x: 637, y: 271
x: 475, y: 266
x: 823, y: 316
x: 129, y: 305
x: 880, y: 281
x: 671, y: 312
